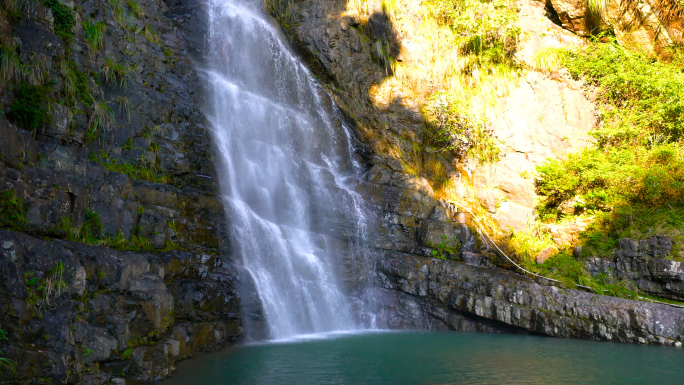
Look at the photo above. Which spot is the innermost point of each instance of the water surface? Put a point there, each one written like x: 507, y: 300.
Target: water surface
x: 434, y: 358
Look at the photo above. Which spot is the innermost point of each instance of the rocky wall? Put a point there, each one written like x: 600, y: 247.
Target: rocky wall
x: 75, y: 313
x: 463, y: 292
x: 644, y: 263
x: 119, y: 141
x: 546, y: 115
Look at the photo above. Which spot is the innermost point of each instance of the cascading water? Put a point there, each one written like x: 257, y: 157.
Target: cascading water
x: 287, y: 171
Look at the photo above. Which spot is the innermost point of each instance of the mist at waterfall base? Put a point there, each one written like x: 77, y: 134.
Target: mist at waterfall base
x: 287, y: 173
x: 415, y: 358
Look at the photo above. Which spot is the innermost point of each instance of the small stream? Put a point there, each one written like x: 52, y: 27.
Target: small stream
x: 417, y: 358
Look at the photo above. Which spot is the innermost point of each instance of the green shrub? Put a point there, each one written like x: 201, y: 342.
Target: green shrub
x: 113, y: 72
x: 7, y: 364
x: 451, y: 127
x: 30, y: 107
x: 639, y: 157
x: 450, y: 248
x: 632, y: 180
x: 94, y: 33
x: 13, y: 211
x: 91, y: 227
x: 142, y: 168
x: 118, y: 11
x: 101, y: 119
x: 63, y: 19
x: 492, y: 22
x: 601, y: 179
x: 571, y: 272
x: 642, y: 98
x: 10, y: 66
x: 135, y: 9
x: 13, y: 9
x: 82, y: 88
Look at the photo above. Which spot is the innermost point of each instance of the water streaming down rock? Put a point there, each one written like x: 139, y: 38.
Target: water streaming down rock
x: 288, y: 172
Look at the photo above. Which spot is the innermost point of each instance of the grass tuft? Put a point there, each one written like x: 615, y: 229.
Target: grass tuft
x: 113, y: 72
x: 13, y: 211
x: 94, y: 33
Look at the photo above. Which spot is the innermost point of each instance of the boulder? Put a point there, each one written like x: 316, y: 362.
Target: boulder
x: 546, y: 254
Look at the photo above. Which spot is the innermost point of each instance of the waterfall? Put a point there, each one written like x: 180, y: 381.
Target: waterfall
x: 287, y: 172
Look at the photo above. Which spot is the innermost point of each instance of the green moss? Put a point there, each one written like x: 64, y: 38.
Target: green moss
x: 30, y: 108
x: 12, y: 211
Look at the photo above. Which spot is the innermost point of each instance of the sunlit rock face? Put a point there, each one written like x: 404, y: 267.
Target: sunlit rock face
x: 649, y: 26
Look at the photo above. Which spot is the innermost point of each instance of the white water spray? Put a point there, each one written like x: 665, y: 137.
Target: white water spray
x: 287, y: 172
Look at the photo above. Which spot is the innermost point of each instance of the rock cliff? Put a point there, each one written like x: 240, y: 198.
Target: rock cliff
x: 110, y: 170
x: 546, y: 114
x: 651, y: 26
x: 121, y: 262
x: 447, y: 294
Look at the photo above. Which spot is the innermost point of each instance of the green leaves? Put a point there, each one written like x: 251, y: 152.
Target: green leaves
x: 451, y: 127
x: 642, y: 99
x: 12, y: 211
x: 30, y: 107
x: 605, y: 178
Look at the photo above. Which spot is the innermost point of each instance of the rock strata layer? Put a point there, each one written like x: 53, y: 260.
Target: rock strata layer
x: 123, y: 159
x: 85, y: 314
x: 645, y: 263
x: 465, y: 295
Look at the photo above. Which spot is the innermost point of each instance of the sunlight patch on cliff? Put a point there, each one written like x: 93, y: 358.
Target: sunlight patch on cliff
x: 459, y: 48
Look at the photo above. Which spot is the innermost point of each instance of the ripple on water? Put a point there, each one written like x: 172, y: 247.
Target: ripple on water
x: 383, y: 357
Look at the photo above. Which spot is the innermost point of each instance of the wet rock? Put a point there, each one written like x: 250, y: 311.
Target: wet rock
x: 111, y: 311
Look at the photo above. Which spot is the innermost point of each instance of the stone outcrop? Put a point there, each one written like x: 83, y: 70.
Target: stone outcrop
x: 82, y: 314
x: 575, y: 16
x: 457, y: 296
x: 150, y: 123
x: 646, y: 264
x: 545, y: 116
x: 650, y: 25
